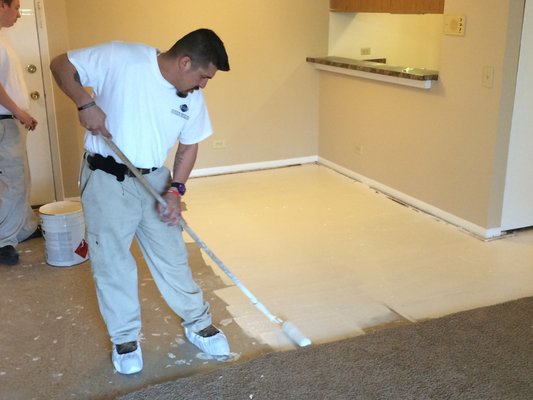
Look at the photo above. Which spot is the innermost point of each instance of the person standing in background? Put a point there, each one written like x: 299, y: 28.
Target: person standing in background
x: 18, y: 222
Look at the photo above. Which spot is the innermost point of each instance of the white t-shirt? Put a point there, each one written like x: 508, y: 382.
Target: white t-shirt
x: 144, y: 114
x: 11, y: 77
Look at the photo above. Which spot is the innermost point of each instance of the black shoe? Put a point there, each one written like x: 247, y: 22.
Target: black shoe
x: 126, y: 348
x: 36, y: 234
x: 8, y: 255
x: 208, y: 332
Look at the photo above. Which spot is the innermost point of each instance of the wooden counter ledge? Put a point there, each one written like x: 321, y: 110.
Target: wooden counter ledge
x: 415, y: 77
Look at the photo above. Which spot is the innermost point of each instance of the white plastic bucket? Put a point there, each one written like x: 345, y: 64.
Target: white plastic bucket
x: 64, y: 233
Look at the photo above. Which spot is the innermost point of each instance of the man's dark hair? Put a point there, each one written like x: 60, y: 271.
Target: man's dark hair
x: 203, y: 46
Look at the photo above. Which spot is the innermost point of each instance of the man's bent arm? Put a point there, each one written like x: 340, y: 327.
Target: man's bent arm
x: 68, y: 80
x: 24, y: 117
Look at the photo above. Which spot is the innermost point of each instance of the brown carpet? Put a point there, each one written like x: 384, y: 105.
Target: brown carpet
x: 481, y: 354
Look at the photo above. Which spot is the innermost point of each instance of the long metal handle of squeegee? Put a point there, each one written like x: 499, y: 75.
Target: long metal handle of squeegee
x: 191, y: 233
x: 135, y: 171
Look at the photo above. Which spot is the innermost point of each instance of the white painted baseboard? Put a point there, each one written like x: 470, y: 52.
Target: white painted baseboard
x: 468, y: 226
x: 230, y: 169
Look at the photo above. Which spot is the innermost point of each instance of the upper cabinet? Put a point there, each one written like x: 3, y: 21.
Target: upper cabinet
x: 388, y: 6
x: 359, y: 5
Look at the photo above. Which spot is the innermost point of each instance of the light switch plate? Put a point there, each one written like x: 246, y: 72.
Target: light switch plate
x: 454, y: 25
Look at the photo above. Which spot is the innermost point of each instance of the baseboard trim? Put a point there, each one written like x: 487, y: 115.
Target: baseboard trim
x: 469, y: 227
x: 231, y: 169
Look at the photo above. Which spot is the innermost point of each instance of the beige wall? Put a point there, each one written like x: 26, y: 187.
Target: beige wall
x: 447, y: 146
x: 265, y: 108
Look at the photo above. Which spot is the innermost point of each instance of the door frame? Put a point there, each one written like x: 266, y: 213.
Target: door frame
x: 49, y: 99
x: 517, y: 211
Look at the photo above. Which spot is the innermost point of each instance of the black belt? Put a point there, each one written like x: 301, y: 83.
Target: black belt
x: 6, y: 117
x: 109, y: 165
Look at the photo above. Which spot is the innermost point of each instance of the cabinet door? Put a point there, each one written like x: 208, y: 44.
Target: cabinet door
x: 360, y: 5
x: 388, y: 6
x: 339, y: 5
x: 436, y: 7
x: 417, y: 6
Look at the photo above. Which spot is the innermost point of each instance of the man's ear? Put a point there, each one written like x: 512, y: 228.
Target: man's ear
x: 184, y: 62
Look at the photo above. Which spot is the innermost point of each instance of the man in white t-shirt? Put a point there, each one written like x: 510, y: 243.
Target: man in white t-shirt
x: 146, y: 101
x: 18, y: 222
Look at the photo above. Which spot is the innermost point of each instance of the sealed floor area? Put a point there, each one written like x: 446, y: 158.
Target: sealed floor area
x: 318, y: 249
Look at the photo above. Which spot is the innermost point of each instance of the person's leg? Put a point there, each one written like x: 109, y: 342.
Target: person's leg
x: 112, y: 212
x: 166, y: 255
x: 16, y: 216
x: 31, y: 220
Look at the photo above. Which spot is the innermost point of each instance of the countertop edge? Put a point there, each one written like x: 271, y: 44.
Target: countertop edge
x: 417, y: 74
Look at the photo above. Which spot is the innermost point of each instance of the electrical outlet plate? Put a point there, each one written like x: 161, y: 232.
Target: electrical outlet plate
x: 454, y: 25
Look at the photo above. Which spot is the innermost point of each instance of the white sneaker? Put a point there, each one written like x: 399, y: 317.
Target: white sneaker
x: 128, y: 363
x: 216, y: 344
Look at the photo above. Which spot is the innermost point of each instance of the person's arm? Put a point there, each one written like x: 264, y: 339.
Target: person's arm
x: 25, y: 118
x: 183, y: 164
x: 67, y: 78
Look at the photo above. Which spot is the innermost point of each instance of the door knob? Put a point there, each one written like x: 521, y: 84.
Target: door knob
x: 31, y: 68
x: 35, y: 95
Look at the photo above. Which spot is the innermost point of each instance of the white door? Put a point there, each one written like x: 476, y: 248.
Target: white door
x: 518, y: 195
x: 25, y: 40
